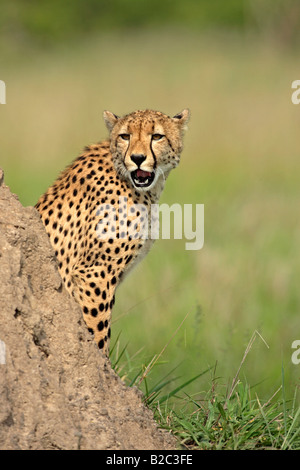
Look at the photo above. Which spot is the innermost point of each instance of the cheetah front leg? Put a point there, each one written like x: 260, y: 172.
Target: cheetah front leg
x: 95, y: 295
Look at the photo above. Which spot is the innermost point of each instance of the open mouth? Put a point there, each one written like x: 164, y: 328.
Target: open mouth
x: 142, y: 179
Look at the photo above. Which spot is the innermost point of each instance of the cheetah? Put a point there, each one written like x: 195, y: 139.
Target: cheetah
x: 106, y: 191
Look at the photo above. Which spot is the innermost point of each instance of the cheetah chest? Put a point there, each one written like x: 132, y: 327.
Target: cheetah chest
x: 124, y: 233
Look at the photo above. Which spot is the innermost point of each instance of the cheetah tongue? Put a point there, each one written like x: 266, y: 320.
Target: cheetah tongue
x: 142, y: 179
x: 143, y: 174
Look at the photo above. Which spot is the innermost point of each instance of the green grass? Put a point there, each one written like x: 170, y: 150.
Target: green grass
x: 242, y: 422
x: 226, y: 417
x: 241, y: 160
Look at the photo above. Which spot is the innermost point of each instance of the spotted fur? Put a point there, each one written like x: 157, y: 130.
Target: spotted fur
x: 131, y: 166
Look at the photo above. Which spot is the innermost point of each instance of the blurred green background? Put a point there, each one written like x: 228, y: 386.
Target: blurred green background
x: 232, y: 63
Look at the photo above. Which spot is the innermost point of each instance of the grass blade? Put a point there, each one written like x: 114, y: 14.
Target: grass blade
x: 177, y: 389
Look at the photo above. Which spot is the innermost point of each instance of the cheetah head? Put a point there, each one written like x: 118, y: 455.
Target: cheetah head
x: 145, y: 145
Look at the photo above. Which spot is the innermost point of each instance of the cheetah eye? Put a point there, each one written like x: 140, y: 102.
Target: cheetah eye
x: 157, y: 136
x: 125, y: 136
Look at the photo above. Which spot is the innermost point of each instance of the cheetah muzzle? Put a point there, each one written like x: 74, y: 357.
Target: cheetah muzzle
x: 93, y: 249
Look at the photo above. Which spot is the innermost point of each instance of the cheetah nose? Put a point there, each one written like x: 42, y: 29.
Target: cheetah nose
x: 138, y: 158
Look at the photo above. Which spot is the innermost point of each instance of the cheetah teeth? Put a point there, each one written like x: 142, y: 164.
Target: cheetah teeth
x: 142, y: 178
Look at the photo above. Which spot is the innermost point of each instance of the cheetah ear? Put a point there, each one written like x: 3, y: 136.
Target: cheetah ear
x: 110, y: 119
x: 183, y: 117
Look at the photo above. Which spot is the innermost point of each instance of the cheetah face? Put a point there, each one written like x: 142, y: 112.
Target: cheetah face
x: 145, y: 145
